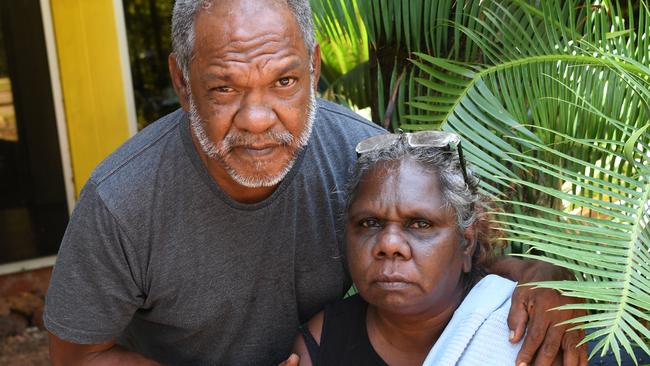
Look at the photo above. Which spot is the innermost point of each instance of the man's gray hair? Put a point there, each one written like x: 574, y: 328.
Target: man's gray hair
x: 183, y: 32
x: 461, y: 196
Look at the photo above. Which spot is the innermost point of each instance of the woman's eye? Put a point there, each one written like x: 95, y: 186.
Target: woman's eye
x: 419, y: 224
x: 285, y: 82
x: 368, y: 223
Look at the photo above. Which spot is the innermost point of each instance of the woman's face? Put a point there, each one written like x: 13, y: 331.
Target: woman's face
x: 404, y: 250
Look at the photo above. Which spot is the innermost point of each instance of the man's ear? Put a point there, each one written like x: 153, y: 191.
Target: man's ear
x: 470, y: 247
x: 178, y: 81
x: 315, y: 62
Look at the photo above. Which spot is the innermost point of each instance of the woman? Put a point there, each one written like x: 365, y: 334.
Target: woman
x: 417, y: 244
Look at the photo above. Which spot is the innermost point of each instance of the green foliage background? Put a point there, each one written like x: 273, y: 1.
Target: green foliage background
x: 149, y: 37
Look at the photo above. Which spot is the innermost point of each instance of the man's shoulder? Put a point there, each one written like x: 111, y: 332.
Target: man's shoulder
x: 338, y: 116
x: 337, y: 129
x: 139, y: 151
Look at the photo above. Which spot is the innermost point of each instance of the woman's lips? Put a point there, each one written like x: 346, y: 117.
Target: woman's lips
x: 392, y: 285
x: 392, y: 282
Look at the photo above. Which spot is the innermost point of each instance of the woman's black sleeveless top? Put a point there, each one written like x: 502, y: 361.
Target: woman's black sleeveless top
x: 344, y: 339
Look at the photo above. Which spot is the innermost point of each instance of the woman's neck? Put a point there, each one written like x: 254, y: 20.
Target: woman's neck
x: 406, y: 339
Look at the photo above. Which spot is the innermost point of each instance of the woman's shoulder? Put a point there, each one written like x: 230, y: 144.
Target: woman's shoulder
x: 478, y: 328
x: 340, y: 313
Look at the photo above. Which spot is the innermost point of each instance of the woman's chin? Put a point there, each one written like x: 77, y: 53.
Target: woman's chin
x: 395, y: 299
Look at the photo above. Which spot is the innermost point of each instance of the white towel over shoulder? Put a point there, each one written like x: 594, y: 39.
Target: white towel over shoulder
x: 478, y: 332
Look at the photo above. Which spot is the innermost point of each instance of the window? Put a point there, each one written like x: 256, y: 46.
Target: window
x: 33, y: 208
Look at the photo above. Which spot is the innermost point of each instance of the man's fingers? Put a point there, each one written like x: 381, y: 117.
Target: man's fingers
x: 293, y: 360
x: 534, y: 338
x: 570, y: 358
x: 584, y: 357
x: 572, y: 353
x: 550, y: 347
x: 518, y: 315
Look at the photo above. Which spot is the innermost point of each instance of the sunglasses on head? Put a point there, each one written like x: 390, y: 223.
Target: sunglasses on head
x: 434, y: 139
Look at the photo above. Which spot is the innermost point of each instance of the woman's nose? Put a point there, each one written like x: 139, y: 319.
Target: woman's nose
x: 392, y: 244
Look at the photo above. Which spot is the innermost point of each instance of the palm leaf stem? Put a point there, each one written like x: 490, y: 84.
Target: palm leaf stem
x: 637, y: 229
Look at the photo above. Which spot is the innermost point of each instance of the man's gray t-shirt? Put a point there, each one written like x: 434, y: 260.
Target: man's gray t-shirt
x: 157, y: 256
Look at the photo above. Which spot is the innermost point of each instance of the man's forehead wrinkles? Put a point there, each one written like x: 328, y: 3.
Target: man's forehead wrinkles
x: 250, y: 43
x: 271, y: 56
x: 260, y: 50
x: 247, y: 58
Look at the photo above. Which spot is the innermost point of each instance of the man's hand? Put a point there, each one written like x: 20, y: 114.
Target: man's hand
x: 293, y: 360
x: 544, y: 342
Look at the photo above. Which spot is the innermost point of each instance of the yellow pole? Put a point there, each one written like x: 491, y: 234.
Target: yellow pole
x: 92, y: 81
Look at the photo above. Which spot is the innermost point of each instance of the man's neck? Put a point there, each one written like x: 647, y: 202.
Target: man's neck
x: 233, y: 189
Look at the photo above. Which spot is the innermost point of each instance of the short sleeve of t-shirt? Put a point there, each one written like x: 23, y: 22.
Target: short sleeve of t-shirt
x: 94, y: 290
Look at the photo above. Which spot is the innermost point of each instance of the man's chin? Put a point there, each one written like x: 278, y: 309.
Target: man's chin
x: 257, y: 181
x: 253, y: 176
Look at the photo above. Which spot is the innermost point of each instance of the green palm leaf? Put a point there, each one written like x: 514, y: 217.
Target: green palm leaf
x: 552, y: 113
x: 621, y: 258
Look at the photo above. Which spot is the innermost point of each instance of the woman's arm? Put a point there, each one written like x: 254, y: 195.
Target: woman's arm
x: 315, y: 327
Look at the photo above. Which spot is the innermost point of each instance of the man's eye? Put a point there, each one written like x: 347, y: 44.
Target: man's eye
x: 224, y: 89
x: 369, y: 222
x: 419, y: 224
x: 285, y: 82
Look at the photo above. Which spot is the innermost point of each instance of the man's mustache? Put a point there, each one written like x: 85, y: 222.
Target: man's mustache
x: 237, y: 139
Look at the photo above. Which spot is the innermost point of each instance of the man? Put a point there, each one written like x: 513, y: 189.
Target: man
x: 209, y: 236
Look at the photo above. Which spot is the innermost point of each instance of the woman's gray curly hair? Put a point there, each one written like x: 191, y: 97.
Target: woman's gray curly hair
x: 183, y: 35
x: 461, y: 196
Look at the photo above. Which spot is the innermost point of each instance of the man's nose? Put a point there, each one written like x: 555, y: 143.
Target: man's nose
x: 392, y: 244
x: 255, y: 116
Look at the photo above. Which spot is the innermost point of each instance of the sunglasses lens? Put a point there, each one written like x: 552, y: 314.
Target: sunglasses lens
x: 433, y: 139
x: 375, y: 142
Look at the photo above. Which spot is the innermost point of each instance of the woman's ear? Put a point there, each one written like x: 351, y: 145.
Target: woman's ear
x: 470, y: 247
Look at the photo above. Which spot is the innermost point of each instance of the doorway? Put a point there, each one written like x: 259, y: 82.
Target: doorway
x: 33, y: 208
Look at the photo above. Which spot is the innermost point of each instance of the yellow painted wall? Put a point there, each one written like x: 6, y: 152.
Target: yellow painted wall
x: 92, y: 82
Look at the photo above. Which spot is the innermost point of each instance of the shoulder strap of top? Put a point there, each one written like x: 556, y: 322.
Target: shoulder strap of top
x: 344, y: 341
x: 310, y: 342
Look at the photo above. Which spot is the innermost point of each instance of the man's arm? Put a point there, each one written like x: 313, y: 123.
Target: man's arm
x: 63, y: 353
x: 545, y: 341
x: 97, y: 272
x: 519, y: 270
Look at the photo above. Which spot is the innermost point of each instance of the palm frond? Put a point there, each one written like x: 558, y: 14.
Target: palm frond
x: 552, y: 114
x: 612, y: 246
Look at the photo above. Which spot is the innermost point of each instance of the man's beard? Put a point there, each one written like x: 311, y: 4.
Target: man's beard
x: 260, y: 178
